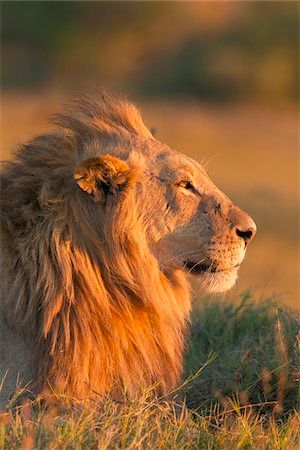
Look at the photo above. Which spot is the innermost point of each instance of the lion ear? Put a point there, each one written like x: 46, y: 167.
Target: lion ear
x: 102, y: 175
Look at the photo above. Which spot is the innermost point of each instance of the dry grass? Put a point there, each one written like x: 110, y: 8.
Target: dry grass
x: 144, y: 425
x: 241, y: 390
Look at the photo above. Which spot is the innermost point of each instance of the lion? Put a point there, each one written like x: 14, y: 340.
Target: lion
x: 101, y: 226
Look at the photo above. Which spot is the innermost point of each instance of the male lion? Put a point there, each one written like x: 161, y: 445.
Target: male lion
x: 101, y: 223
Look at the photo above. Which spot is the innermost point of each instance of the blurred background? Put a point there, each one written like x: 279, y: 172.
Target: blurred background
x: 217, y: 80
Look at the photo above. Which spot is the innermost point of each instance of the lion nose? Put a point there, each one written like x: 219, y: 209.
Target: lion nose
x: 247, y: 235
x: 246, y: 231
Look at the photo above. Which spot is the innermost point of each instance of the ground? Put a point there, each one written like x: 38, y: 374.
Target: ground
x: 241, y: 391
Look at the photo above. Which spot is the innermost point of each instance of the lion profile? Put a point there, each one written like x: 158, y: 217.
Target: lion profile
x: 101, y: 223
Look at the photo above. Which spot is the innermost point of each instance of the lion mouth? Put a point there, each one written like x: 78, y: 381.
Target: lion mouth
x: 199, y: 268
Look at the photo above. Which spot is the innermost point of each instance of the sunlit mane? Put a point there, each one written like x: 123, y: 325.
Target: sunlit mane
x: 82, y: 284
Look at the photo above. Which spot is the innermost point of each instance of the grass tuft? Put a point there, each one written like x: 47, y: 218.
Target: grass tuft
x: 240, y: 392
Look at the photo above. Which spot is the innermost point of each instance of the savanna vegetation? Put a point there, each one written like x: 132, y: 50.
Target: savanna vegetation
x: 218, y: 51
x: 240, y: 390
x: 218, y: 81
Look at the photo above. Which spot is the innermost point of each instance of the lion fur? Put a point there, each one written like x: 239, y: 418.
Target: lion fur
x: 85, y: 307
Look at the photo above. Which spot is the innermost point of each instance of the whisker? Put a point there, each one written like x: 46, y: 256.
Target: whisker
x: 195, y: 265
x: 206, y: 161
x: 178, y: 256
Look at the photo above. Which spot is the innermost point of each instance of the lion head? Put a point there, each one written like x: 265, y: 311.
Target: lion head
x: 101, y: 224
x: 189, y: 223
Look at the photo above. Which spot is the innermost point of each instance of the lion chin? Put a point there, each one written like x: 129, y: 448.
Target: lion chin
x: 218, y: 282
x: 212, y: 280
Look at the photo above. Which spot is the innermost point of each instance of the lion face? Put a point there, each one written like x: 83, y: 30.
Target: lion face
x: 191, y: 223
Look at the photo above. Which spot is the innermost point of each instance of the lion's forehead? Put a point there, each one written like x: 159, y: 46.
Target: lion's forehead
x: 169, y: 164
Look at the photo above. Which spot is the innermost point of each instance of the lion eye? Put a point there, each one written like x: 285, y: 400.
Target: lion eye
x: 186, y: 184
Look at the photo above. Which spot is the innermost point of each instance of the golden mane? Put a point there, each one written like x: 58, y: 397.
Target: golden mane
x: 87, y: 289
